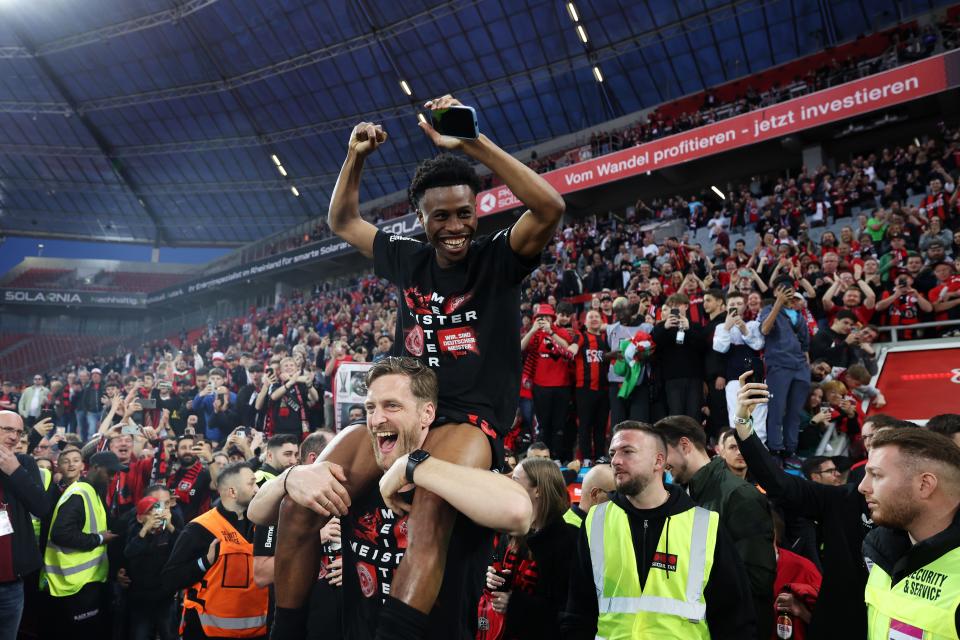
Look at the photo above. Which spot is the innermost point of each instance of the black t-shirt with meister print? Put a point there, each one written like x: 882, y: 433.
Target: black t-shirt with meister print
x: 375, y: 541
x: 462, y: 321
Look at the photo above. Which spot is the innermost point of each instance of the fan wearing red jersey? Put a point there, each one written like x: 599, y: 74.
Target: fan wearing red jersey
x: 459, y: 314
x: 590, y: 386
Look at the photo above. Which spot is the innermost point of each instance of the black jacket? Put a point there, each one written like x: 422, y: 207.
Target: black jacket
x: 832, y: 347
x: 23, y: 492
x: 892, y: 551
x: 675, y: 361
x: 145, y: 558
x: 67, y: 530
x: 537, y: 615
x: 727, y: 594
x: 746, y: 517
x: 844, y: 522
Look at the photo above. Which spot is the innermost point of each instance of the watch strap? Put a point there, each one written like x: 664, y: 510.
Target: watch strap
x: 414, y: 459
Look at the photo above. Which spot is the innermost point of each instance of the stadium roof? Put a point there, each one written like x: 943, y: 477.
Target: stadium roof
x: 156, y: 120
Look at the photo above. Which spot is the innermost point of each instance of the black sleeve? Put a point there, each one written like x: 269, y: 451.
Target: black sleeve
x: 67, y: 530
x: 33, y: 439
x: 26, y: 486
x: 730, y: 613
x: 182, y: 568
x: 264, y: 541
x: 820, y: 347
x: 136, y: 546
x: 803, y: 497
x: 578, y: 621
x: 391, y: 254
x: 515, y: 267
x: 660, y: 334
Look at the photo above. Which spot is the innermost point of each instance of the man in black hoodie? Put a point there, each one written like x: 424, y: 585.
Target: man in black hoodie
x: 21, y: 494
x: 841, y: 514
x: 912, y: 488
x: 723, y: 603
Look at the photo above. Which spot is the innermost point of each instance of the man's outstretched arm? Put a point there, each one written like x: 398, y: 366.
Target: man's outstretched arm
x: 344, y: 213
x: 489, y: 499
x: 536, y: 226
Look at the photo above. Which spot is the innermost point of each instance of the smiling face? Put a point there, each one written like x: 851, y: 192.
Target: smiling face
x: 449, y: 219
x: 397, y: 422
x: 70, y: 465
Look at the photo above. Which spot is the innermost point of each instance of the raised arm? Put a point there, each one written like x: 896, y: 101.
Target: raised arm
x: 489, y: 499
x: 344, y: 213
x: 536, y: 226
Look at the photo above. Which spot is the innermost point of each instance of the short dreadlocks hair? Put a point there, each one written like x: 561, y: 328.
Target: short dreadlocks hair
x: 445, y: 170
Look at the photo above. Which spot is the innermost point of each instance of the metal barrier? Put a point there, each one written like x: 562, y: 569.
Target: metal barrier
x: 920, y: 325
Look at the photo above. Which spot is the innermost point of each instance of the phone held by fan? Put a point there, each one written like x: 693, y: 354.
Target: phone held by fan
x: 456, y: 122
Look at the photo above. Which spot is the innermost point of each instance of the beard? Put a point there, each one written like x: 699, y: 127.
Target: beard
x: 897, y: 513
x: 188, y: 460
x: 632, y: 486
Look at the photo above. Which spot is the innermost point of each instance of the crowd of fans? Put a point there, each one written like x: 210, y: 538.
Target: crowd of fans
x: 616, y: 326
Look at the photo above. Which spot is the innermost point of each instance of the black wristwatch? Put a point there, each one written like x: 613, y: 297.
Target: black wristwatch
x: 415, y: 458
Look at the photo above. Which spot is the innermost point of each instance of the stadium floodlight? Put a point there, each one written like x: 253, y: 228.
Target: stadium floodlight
x: 582, y: 33
x: 406, y: 87
x: 275, y: 159
x: 572, y: 10
x: 294, y: 191
x: 597, y: 74
x: 718, y: 192
x: 282, y: 171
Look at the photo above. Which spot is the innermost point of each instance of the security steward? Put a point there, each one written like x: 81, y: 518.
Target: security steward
x: 75, y: 560
x: 650, y: 563
x: 213, y: 562
x: 912, y: 488
x: 282, y: 452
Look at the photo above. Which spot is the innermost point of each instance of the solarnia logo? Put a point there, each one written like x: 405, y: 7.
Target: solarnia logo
x: 41, y: 296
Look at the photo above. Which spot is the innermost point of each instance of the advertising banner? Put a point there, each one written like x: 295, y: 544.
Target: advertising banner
x: 67, y: 298
x: 408, y: 225
x: 855, y: 98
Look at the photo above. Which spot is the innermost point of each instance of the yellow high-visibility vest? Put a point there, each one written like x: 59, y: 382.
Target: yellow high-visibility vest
x: 68, y: 570
x: 921, y: 605
x: 45, y: 477
x: 668, y: 606
x: 570, y: 517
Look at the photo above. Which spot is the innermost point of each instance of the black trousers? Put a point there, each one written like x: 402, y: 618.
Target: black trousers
x: 636, y: 406
x: 717, y: 422
x: 684, y: 397
x: 550, y: 405
x: 82, y: 615
x: 593, y: 409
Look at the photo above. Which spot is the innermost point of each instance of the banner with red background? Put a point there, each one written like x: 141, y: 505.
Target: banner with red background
x: 878, y: 91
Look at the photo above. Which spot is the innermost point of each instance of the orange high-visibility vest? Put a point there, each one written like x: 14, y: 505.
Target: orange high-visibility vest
x: 226, y: 600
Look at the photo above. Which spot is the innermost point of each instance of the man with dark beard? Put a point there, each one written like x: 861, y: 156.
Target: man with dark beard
x: 191, y: 481
x: 912, y: 487
x: 641, y: 598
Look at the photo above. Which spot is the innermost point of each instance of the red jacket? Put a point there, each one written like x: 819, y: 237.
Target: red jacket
x: 799, y: 576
